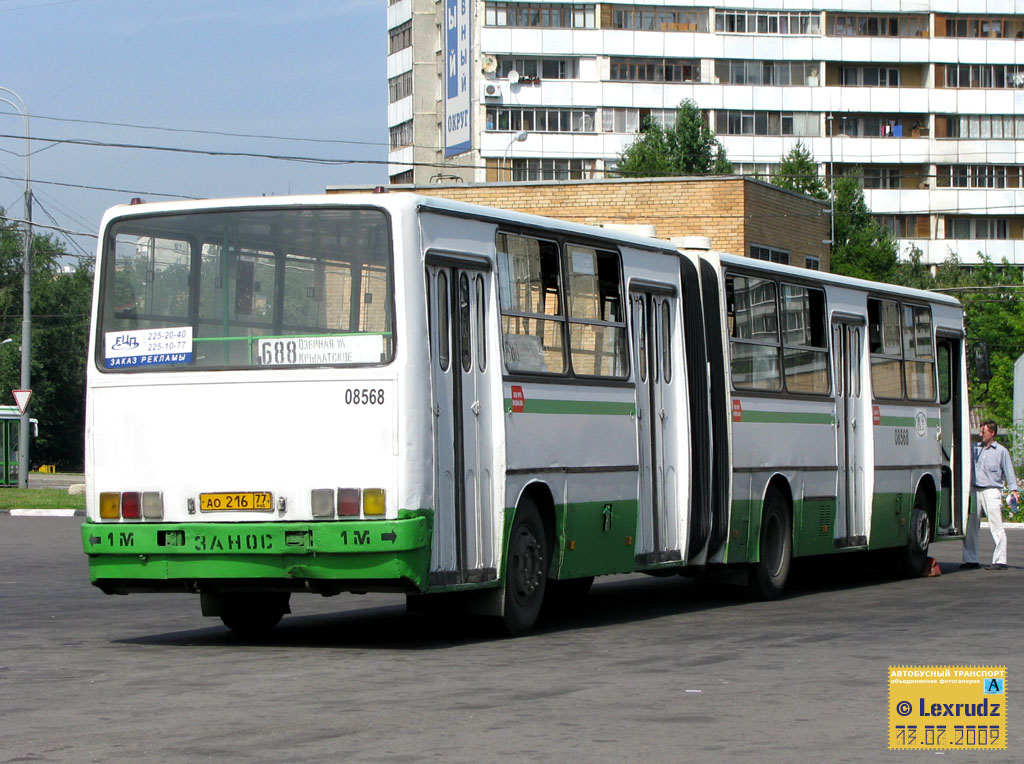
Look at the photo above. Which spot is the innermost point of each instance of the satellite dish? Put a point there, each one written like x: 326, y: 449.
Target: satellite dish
x: 513, y: 77
x: 490, y: 64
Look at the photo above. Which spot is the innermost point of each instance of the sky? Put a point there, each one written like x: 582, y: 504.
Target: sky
x: 307, y: 76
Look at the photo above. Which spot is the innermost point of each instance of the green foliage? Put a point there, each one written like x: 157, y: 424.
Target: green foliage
x: 60, y: 337
x: 688, y: 148
x: 861, y: 247
x: 39, y: 498
x: 994, y: 313
x: 799, y: 172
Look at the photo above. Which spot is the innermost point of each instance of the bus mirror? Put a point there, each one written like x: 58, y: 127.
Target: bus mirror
x: 981, y: 366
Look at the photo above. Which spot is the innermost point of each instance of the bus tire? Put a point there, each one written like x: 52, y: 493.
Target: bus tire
x: 526, y: 564
x: 766, y: 578
x: 253, y: 615
x: 913, y: 557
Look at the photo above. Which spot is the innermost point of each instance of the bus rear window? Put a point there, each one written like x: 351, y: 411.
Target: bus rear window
x: 247, y: 288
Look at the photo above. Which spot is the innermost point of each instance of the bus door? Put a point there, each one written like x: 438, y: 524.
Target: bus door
x: 653, y: 317
x: 853, y: 420
x: 462, y: 401
x: 950, y: 358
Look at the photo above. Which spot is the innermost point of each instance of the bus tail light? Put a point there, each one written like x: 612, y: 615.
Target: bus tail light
x: 131, y: 505
x: 322, y: 502
x: 110, y: 506
x: 153, y: 505
x: 373, y: 502
x: 348, y: 502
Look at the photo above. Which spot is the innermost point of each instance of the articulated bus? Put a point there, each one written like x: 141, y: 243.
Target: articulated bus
x: 391, y: 392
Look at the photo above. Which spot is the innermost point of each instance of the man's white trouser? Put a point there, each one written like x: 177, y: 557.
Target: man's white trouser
x: 989, y: 501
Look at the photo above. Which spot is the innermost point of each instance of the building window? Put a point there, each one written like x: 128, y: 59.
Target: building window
x: 876, y: 25
x: 400, y: 37
x: 729, y: 122
x: 762, y: 170
x: 624, y: 120
x: 400, y: 87
x: 980, y: 75
x: 812, y: 263
x: 881, y: 177
x: 775, y: 73
x: 663, y: 19
x: 901, y: 226
x: 551, y: 169
x: 979, y: 26
x: 538, y: 68
x: 551, y: 15
x: 977, y: 228
x: 767, y: 22
x: 869, y: 76
x: 401, y: 178
x: 770, y: 254
x: 876, y: 125
x: 978, y: 176
x: 979, y: 126
x: 538, y: 120
x: 655, y: 70
x: 401, y: 135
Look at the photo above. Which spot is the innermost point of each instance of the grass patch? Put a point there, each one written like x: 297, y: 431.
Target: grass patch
x: 39, y: 498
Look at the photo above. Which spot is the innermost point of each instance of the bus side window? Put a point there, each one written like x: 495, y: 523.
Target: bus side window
x: 885, y: 338
x: 443, y: 340
x: 754, y: 349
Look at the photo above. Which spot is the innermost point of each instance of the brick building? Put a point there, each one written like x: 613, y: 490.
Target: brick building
x: 739, y: 215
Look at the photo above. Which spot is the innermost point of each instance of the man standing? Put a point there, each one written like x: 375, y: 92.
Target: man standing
x: 992, y: 469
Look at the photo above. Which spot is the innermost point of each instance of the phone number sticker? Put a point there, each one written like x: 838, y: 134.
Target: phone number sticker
x: 148, y: 347
x: 947, y: 708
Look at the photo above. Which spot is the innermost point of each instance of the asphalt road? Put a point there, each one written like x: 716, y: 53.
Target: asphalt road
x: 653, y: 670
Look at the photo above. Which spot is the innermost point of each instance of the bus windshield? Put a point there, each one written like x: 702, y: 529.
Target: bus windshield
x: 247, y: 288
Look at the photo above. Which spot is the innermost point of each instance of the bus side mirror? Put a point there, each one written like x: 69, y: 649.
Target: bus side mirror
x: 981, y: 366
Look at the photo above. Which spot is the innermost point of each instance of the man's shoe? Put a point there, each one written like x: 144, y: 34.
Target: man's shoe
x: 970, y: 565
x: 996, y: 566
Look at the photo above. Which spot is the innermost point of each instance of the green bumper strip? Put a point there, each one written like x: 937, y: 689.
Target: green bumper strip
x: 351, y: 550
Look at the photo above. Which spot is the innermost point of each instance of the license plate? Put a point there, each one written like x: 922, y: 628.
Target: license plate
x: 243, y: 500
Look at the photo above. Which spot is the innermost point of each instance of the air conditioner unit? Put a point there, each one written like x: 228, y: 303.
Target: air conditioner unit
x: 491, y: 90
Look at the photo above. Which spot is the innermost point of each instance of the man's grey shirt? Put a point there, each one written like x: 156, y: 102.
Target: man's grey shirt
x: 992, y: 467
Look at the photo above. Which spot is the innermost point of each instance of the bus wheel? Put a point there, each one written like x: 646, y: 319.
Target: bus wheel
x: 253, y: 615
x: 913, y: 558
x: 766, y: 579
x: 525, y: 570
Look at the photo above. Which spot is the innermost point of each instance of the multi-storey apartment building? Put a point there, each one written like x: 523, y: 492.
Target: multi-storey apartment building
x: 926, y: 98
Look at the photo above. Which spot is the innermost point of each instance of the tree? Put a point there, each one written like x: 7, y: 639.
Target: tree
x: 687, y: 148
x: 60, y: 336
x: 861, y: 246
x: 799, y: 172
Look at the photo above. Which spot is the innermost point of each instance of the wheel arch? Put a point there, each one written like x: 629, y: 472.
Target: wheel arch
x: 539, y: 493
x: 927, y: 491
x: 777, y: 482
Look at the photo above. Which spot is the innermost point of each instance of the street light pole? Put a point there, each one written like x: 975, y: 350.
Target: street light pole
x: 519, y: 137
x: 26, y: 295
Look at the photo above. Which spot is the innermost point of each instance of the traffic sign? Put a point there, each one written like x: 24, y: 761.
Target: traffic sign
x: 21, y: 397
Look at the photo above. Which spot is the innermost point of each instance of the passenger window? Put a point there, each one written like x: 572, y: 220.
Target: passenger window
x: 754, y: 326
x: 886, y: 358
x: 531, y: 308
x: 597, y: 324
x: 805, y: 349
x: 918, y: 353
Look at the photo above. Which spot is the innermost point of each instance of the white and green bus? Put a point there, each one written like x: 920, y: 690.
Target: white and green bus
x: 397, y: 393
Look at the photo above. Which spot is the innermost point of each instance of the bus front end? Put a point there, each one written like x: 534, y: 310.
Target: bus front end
x: 244, y: 417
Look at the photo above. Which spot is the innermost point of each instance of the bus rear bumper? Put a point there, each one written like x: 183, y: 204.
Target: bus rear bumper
x: 327, y: 557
